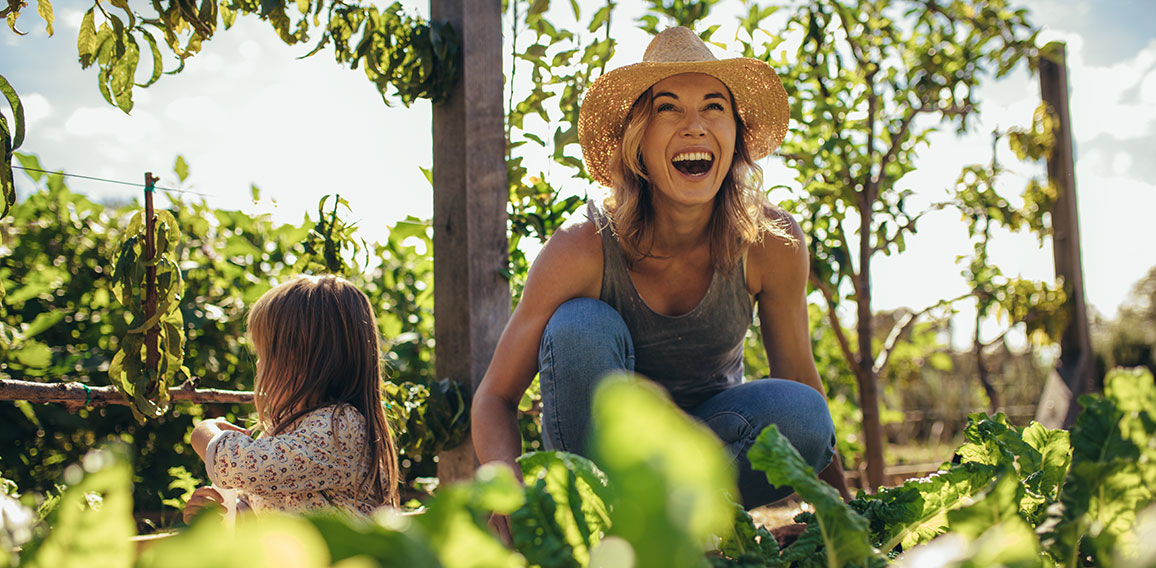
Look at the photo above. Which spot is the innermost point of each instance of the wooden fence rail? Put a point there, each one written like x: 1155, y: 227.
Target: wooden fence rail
x: 79, y: 395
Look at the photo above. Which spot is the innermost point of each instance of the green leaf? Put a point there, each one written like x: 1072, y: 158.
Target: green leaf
x: 569, y: 497
x: 158, y: 63
x: 34, y: 354
x: 43, y: 322
x: 670, y: 476
x: 1105, y: 487
x: 93, y: 522
x: 181, y: 168
x: 998, y: 504
x: 455, y: 519
x: 844, y: 532
x: 390, y: 539
x: 271, y: 541
x: 86, y: 43
x: 17, y: 117
x: 44, y: 8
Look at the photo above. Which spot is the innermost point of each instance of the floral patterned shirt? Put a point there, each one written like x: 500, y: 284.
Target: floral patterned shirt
x: 319, y: 462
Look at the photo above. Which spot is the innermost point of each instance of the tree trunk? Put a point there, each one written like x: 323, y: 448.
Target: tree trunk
x: 868, y: 381
x: 981, y: 371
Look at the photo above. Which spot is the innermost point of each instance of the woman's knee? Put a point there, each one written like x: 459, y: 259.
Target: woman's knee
x: 586, y: 323
x: 801, y: 414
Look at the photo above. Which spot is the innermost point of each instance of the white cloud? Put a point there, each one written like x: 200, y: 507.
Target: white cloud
x: 36, y: 109
x: 107, y: 123
x: 194, y: 110
x: 249, y: 49
x: 1099, y: 105
x: 69, y: 20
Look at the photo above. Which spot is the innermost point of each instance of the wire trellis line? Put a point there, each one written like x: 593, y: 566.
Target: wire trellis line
x: 128, y: 183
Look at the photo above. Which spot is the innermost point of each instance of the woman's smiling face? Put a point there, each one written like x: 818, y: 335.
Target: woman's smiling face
x: 689, y: 141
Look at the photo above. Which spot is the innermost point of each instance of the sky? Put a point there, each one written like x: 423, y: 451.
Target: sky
x: 246, y: 111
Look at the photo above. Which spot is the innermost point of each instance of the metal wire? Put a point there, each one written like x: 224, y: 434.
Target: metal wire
x: 140, y: 185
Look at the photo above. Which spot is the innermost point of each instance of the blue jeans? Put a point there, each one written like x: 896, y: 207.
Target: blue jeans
x: 585, y: 339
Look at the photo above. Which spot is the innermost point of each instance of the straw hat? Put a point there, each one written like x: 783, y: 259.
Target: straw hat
x: 758, y: 94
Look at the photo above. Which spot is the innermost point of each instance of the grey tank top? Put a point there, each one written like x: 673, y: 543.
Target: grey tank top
x: 694, y: 355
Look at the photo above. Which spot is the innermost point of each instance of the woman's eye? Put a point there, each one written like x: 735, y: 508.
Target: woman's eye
x: 664, y: 107
x: 714, y: 106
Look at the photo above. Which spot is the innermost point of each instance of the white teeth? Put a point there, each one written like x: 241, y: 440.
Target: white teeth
x: 693, y: 156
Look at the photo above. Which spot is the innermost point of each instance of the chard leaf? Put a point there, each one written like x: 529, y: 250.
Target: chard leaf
x: 455, y: 520
x: 274, y: 541
x: 1105, y: 487
x: 1011, y: 544
x: 750, y: 545
x: 391, y: 540
x: 917, y: 511
x: 670, y: 476
x: 1039, y: 455
x: 536, y: 532
x: 844, y: 532
x: 578, y: 489
x: 996, y: 505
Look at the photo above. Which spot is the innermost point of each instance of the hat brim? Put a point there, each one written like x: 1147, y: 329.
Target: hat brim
x: 759, y: 99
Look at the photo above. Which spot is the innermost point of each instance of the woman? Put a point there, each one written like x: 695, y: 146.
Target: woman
x: 663, y: 279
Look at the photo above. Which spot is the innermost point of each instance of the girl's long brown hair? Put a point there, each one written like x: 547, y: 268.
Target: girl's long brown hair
x: 742, y: 215
x: 317, y: 345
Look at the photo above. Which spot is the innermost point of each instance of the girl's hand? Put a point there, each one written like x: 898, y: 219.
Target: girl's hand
x: 203, y: 498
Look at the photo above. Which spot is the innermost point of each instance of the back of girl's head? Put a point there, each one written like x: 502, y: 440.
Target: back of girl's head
x: 317, y: 345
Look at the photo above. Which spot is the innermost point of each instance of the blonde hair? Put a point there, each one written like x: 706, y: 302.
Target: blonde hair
x: 742, y: 215
x: 317, y: 346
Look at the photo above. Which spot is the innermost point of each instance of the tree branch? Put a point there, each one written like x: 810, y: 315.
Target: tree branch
x: 78, y: 395
x: 837, y: 327
x: 896, y: 142
x: 900, y: 327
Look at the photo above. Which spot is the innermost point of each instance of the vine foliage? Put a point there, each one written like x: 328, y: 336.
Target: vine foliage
x: 403, y: 55
x: 143, y: 381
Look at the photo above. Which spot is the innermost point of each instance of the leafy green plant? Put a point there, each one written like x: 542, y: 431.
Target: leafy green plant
x: 656, y: 503
x: 143, y: 373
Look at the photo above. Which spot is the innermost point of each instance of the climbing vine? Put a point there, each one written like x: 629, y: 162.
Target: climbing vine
x: 153, y: 350
x: 403, y: 55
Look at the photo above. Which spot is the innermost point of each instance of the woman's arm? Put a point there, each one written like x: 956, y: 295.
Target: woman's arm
x: 778, y: 272
x: 570, y: 266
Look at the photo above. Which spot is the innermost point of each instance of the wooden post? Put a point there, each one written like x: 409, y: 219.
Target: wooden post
x: 1076, y: 365
x: 471, y: 297
x: 153, y: 356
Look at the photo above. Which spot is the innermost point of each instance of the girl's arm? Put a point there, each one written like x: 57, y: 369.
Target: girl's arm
x: 206, y: 430
x: 322, y: 451
x: 778, y: 271
x: 570, y: 266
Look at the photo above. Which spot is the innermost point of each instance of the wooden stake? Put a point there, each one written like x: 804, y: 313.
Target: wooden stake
x: 471, y: 297
x: 153, y: 356
x: 1076, y: 366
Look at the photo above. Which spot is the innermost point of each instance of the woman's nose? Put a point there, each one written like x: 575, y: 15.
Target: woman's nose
x: 693, y: 126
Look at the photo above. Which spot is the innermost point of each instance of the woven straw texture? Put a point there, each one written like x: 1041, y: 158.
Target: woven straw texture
x: 759, y: 97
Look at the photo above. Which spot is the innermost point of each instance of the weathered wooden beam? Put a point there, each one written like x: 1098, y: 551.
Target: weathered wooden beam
x: 471, y: 296
x: 79, y: 395
x: 1076, y: 366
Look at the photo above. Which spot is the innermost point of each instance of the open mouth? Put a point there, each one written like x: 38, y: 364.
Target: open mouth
x: 693, y: 163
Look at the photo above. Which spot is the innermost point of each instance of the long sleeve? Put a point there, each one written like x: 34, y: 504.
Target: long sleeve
x: 324, y: 451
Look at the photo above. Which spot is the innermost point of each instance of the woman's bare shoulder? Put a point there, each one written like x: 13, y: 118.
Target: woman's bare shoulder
x: 780, y: 256
x: 570, y: 264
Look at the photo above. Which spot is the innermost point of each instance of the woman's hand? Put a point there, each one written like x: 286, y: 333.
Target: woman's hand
x: 203, y: 498
x: 500, y: 525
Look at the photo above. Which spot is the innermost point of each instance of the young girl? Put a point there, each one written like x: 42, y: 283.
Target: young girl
x: 325, y: 442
